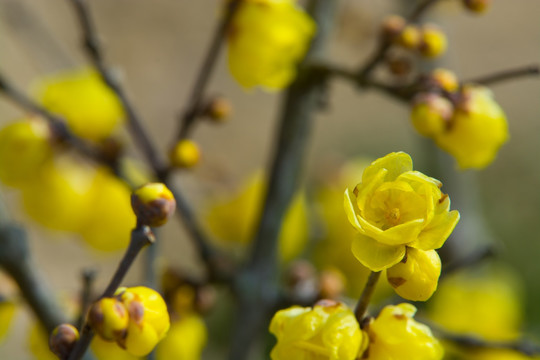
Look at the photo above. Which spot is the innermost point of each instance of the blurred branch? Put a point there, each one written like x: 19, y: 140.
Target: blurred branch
x: 141, y: 236
x: 505, y: 75
x: 365, y: 298
x: 197, y: 92
x: 469, y: 260
x: 87, y: 276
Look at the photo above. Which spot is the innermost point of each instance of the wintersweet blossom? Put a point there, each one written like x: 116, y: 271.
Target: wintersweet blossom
x: 394, y: 208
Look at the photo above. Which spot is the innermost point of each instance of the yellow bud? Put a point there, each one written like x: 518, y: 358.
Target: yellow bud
x: 433, y: 41
x: 63, y: 339
x: 431, y: 113
x: 185, y: 154
x: 417, y: 275
x: 109, y: 318
x: 394, y: 334
x: 477, y: 6
x: 329, y: 330
x: 24, y: 148
x: 445, y: 79
x: 218, y: 109
x: 153, y: 204
x: 149, y: 320
x: 410, y: 37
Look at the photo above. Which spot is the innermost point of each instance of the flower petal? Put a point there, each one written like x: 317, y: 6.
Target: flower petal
x: 396, y: 235
x: 374, y: 255
x: 437, y: 231
x: 350, y: 209
x: 396, y: 163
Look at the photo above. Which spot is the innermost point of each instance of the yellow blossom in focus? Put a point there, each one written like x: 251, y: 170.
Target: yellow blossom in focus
x: 109, y: 350
x: 417, y: 275
x: 185, y: 340
x: 395, y: 335
x: 83, y: 100
x: 267, y: 40
x: 232, y: 220
x: 477, y: 130
x: 7, y: 312
x: 329, y: 331
x: 395, y: 207
x: 148, y: 319
x: 24, y: 147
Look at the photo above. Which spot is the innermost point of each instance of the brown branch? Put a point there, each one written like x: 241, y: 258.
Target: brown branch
x: 365, y: 298
x: 193, y: 107
x: 505, y: 75
x: 141, y: 236
x: 87, y: 276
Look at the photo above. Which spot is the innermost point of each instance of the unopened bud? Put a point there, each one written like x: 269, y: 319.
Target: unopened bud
x: 185, y: 154
x: 410, y: 37
x: 331, y: 283
x: 444, y: 79
x: 109, y: 318
x: 433, y: 42
x: 153, y: 204
x: 477, y: 6
x: 431, y: 114
x: 218, y: 109
x: 63, y: 339
x: 392, y: 26
x: 417, y: 275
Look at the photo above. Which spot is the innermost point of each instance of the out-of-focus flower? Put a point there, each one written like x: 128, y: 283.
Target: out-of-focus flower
x: 153, y: 204
x: 395, y: 207
x: 185, y: 154
x: 267, y: 40
x: 109, y: 350
x: 329, y: 330
x: 185, y: 340
x: 433, y: 41
x: 445, y: 79
x: 24, y: 147
x: 395, y: 335
x: 233, y: 220
x: 477, y: 129
x: 7, y: 312
x: 148, y: 319
x: 89, y: 107
x: 417, y: 275
x: 431, y: 113
x: 38, y: 343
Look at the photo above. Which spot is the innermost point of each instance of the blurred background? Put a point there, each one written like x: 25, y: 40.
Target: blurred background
x: 157, y: 47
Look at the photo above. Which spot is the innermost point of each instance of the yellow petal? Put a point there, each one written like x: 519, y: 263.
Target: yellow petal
x: 351, y: 210
x: 396, y: 235
x: 396, y: 163
x: 374, y: 255
x: 437, y: 231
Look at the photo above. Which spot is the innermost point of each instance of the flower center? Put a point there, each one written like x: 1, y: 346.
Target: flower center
x: 393, y: 216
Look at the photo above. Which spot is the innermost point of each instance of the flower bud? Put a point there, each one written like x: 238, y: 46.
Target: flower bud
x: 431, y: 114
x: 417, y: 275
x: 433, y: 42
x: 477, y: 6
x: 218, y: 109
x: 63, y: 339
x: 153, y: 204
x: 331, y: 283
x: 410, y: 37
x: 444, y: 79
x: 185, y: 154
x: 392, y: 26
x: 109, y: 318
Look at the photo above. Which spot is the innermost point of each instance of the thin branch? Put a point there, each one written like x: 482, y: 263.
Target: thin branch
x: 505, y: 75
x: 196, y: 97
x: 87, y: 276
x: 365, y: 298
x: 141, y: 236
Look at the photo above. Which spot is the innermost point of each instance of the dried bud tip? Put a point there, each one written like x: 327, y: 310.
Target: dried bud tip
x: 153, y: 204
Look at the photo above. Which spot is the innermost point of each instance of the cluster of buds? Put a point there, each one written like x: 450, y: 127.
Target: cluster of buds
x: 428, y: 40
x: 463, y: 120
x: 135, y: 318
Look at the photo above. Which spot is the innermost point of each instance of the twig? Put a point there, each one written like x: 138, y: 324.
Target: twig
x: 141, y: 236
x: 505, y: 75
x: 88, y: 276
x: 365, y: 298
x: 195, y: 99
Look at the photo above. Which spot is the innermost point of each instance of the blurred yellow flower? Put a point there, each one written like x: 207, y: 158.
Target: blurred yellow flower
x: 267, y: 40
x: 7, y: 312
x: 329, y: 330
x: 395, y: 335
x: 395, y: 207
x: 109, y: 350
x: 477, y: 129
x: 38, y: 343
x: 83, y: 100
x: 185, y: 340
x: 24, y: 147
x: 232, y: 220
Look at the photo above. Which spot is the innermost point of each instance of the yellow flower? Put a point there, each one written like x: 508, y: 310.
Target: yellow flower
x: 80, y: 97
x: 477, y: 129
x: 185, y: 340
x: 329, y: 331
x: 24, y: 147
x: 395, y: 207
x: 395, y: 335
x: 7, y: 312
x: 268, y: 38
x: 109, y: 350
x: 233, y: 220
x: 417, y: 275
x: 148, y: 319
